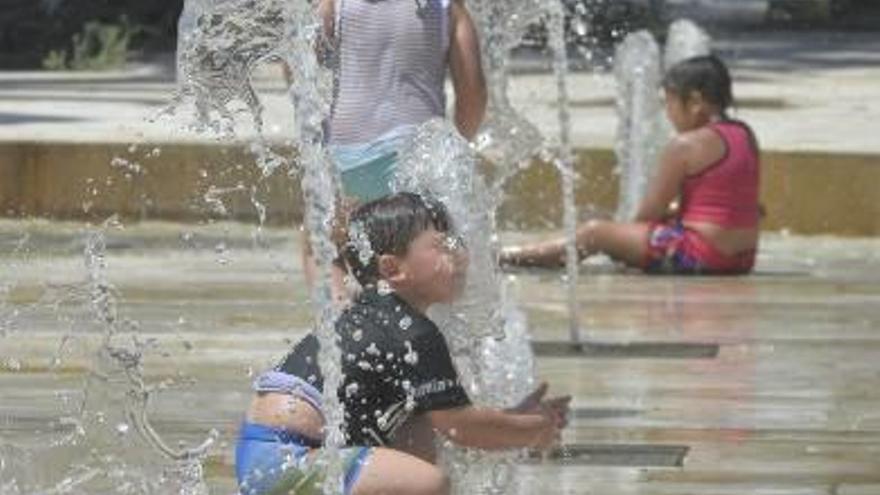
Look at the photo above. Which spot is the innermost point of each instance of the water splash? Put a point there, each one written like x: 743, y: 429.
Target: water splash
x: 506, y: 139
x: 684, y: 40
x: 311, y: 96
x: 441, y: 163
x: 641, y: 131
x: 565, y: 163
x: 221, y: 44
x: 509, y: 362
x: 120, y: 358
x: 102, y: 438
x: 228, y: 39
x: 506, y: 375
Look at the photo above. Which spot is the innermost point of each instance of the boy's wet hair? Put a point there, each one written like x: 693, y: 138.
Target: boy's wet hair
x: 706, y: 75
x: 387, y: 226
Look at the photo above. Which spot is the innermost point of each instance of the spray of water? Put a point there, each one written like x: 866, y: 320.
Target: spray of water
x: 506, y: 139
x: 221, y: 44
x: 565, y: 162
x: 228, y: 39
x: 311, y: 95
x: 102, y: 439
x: 641, y: 131
x: 120, y: 358
x: 684, y: 40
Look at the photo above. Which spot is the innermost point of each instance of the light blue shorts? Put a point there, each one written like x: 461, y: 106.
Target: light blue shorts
x: 368, y: 169
x: 274, y: 461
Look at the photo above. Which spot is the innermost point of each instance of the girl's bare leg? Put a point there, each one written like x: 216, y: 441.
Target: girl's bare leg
x: 626, y: 242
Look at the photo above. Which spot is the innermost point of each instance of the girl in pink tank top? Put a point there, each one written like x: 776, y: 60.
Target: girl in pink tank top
x: 711, y: 167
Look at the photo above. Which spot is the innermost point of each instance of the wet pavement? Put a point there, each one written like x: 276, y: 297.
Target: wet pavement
x: 782, y: 397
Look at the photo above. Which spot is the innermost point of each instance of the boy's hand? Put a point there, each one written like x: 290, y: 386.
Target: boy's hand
x: 554, y: 414
x: 554, y: 409
x: 548, y: 436
x: 531, y: 402
x: 559, y: 408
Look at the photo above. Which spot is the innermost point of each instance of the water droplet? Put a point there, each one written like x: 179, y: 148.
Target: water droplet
x: 383, y: 288
x: 351, y: 389
x: 411, y: 357
x: 405, y: 322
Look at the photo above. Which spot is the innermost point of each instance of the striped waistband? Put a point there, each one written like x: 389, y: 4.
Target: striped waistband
x: 285, y: 383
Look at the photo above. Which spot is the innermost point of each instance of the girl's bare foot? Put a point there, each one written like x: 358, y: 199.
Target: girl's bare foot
x: 510, y: 256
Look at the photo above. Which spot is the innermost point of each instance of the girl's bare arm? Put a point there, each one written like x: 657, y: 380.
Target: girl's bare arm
x: 468, y: 81
x: 666, y: 184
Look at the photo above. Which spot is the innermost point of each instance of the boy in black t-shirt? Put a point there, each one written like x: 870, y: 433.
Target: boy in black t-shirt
x: 400, y: 387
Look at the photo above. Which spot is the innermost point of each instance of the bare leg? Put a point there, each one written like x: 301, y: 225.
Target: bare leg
x: 625, y: 242
x: 392, y: 472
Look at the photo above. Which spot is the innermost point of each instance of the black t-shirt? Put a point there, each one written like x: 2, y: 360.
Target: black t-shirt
x: 395, y: 363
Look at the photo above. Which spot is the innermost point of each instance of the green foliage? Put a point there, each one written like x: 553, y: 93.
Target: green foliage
x: 98, y: 47
x: 55, y: 60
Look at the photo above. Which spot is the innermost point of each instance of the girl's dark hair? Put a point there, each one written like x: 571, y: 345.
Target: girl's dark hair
x: 706, y: 75
x: 387, y: 226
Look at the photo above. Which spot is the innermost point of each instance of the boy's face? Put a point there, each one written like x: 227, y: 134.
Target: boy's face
x: 433, y: 268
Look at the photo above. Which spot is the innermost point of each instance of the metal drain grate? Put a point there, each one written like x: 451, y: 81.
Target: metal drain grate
x: 665, y: 350
x: 613, y: 455
x: 603, y: 413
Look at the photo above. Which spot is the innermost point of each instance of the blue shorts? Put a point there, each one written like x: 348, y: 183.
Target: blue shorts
x: 272, y: 460
x: 368, y: 169
x: 370, y: 180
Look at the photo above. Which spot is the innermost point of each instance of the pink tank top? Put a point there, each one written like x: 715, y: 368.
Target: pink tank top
x: 726, y: 192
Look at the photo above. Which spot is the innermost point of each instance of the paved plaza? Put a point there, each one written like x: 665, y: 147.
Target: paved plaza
x: 765, y: 384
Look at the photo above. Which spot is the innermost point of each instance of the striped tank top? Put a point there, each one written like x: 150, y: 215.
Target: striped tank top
x: 390, y: 67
